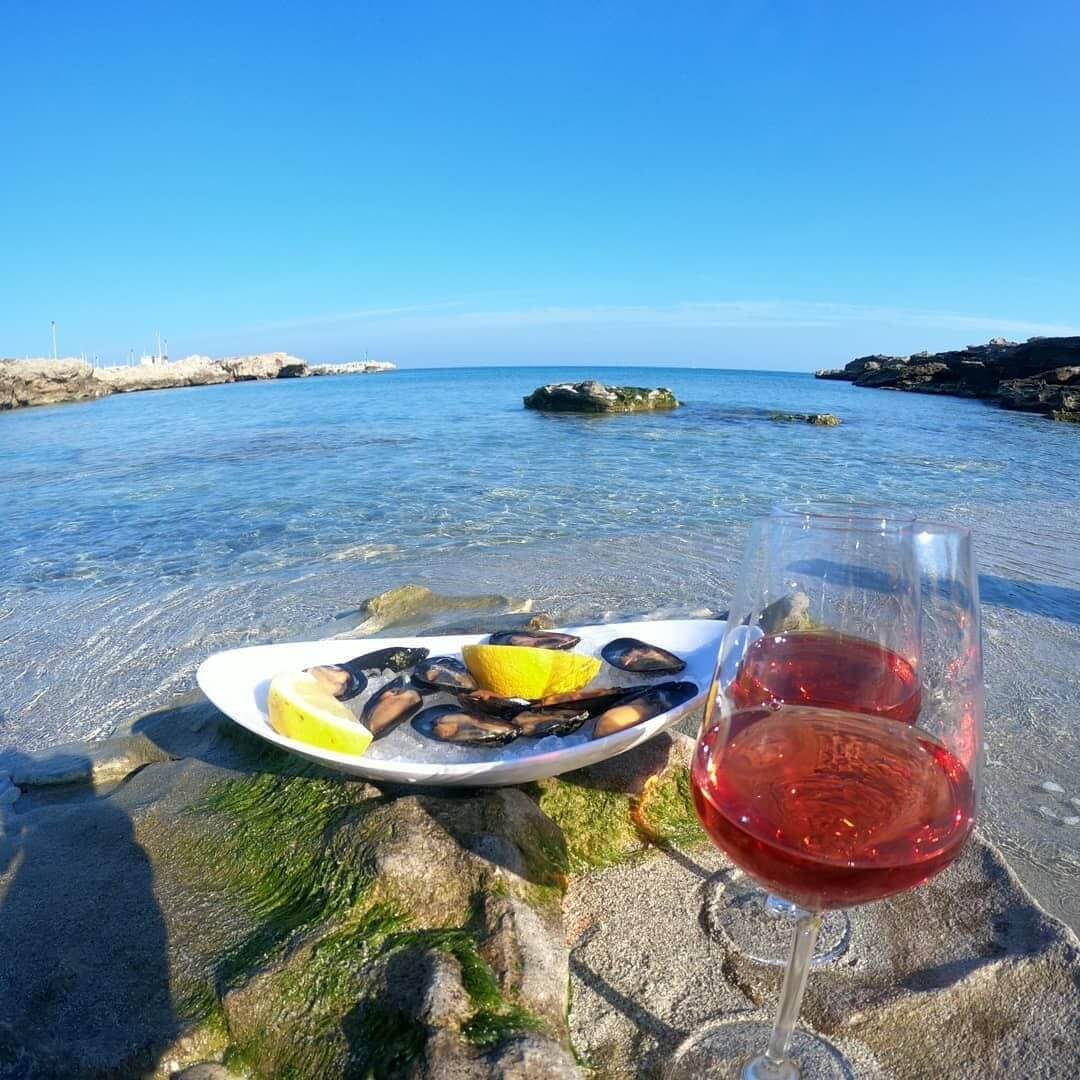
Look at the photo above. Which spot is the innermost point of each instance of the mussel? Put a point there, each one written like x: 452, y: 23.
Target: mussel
x: 630, y: 654
x: 491, y: 704
x: 391, y: 705
x: 535, y: 639
x: 348, y: 679
x: 536, y: 723
x: 642, y: 706
x: 591, y: 701
x: 450, y: 723
x: 443, y: 673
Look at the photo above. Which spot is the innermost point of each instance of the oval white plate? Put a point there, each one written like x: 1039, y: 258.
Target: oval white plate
x: 237, y: 681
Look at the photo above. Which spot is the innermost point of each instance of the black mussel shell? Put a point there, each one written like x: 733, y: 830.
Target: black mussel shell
x: 450, y: 723
x: 388, y: 707
x: 591, y: 701
x: 630, y: 654
x: 491, y: 704
x: 536, y: 723
x: 445, y: 673
x: 642, y: 706
x: 394, y: 658
x: 339, y: 680
x: 535, y: 639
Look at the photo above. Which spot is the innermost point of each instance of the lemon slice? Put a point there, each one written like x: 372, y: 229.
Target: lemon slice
x: 513, y: 671
x: 301, y: 709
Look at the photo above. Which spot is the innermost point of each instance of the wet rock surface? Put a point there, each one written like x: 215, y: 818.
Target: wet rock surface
x: 190, y: 900
x: 596, y: 397
x: 1040, y: 375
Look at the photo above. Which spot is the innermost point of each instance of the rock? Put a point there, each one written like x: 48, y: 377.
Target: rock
x: 237, y: 906
x: 416, y: 606
x: 595, y: 397
x: 818, y: 419
x: 231, y: 910
x: 47, y: 382
x: 1038, y: 375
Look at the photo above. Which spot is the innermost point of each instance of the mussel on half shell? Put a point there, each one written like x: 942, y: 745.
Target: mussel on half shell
x: 390, y: 706
x: 443, y: 673
x: 631, y: 654
x: 642, y: 706
x: 348, y: 679
x: 590, y: 701
x: 535, y: 639
x: 450, y: 723
x: 536, y: 723
x: 491, y: 704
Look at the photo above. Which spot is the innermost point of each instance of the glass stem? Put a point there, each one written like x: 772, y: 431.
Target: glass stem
x: 802, y: 949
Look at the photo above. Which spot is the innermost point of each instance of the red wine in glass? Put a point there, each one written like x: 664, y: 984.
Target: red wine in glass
x: 830, y: 670
x: 831, y: 809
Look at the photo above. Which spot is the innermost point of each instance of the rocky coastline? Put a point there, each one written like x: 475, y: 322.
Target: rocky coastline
x: 1040, y: 375
x: 181, y: 899
x: 25, y: 383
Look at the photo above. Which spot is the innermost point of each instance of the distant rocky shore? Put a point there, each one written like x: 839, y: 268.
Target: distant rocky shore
x: 1039, y: 375
x: 51, y: 382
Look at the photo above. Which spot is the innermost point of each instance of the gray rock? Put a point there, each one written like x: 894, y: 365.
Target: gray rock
x: 595, y: 397
x: 818, y: 419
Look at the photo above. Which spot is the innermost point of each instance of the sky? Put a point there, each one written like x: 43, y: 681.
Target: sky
x: 746, y: 184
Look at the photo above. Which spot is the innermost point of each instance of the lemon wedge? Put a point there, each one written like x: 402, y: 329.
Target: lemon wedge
x: 301, y: 709
x: 515, y: 671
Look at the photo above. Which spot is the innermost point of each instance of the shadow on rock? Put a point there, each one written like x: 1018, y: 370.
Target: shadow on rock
x: 84, y: 973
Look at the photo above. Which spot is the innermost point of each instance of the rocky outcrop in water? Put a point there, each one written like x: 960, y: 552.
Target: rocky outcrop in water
x: 1039, y: 375
x: 47, y: 382
x: 51, y: 382
x: 596, y: 397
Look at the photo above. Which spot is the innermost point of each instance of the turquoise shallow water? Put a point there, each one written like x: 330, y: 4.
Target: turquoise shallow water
x: 143, y: 531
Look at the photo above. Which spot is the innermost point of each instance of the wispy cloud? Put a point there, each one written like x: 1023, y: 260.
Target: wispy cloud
x: 696, y: 314
x: 719, y: 314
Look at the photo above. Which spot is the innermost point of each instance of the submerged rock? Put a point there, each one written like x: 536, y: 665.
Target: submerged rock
x: 596, y: 397
x: 417, y: 608
x: 819, y: 419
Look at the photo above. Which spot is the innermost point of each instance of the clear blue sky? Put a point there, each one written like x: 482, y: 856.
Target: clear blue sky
x: 751, y: 184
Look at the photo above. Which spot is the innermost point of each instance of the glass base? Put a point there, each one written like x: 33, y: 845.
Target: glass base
x: 760, y: 926
x: 736, y: 1051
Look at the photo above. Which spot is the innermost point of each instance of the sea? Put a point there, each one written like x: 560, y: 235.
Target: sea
x: 142, y: 532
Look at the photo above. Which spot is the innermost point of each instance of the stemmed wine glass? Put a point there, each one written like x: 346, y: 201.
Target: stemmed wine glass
x: 849, y: 798
x: 757, y: 923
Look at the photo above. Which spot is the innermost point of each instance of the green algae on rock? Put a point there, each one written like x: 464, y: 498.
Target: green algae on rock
x: 596, y: 397
x: 817, y: 419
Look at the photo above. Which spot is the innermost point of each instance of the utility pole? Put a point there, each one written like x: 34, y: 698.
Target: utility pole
x: 53, y: 324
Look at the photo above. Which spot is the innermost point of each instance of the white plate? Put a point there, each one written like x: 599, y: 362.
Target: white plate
x: 237, y: 682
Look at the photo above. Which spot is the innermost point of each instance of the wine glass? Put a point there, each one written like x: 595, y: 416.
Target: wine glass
x: 756, y: 922
x: 831, y: 803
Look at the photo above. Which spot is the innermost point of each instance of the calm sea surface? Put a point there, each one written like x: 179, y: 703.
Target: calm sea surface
x: 144, y: 531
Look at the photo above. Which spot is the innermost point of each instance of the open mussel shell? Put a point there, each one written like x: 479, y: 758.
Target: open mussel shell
x: 491, y: 704
x: 348, y: 679
x: 592, y: 702
x: 445, y: 673
x: 390, y: 706
x: 536, y: 723
x: 535, y: 639
x: 642, y: 706
x: 450, y: 723
x: 631, y: 654
x: 339, y: 680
